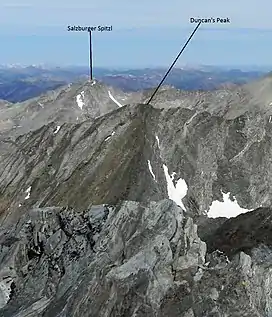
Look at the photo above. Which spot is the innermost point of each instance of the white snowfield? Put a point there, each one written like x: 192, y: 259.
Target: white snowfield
x: 112, y: 134
x: 151, y: 170
x: 28, y: 193
x: 57, y: 129
x: 80, y: 100
x: 227, y: 208
x: 178, y: 192
x: 114, y: 100
x: 158, y: 141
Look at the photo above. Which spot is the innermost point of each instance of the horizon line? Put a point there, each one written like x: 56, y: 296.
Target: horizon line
x: 130, y: 67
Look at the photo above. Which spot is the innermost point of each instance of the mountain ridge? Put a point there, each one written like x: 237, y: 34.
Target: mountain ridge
x: 110, y: 215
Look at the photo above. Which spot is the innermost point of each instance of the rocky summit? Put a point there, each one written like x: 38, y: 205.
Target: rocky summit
x: 110, y: 207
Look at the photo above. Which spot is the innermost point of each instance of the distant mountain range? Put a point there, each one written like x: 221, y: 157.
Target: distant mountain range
x: 18, y: 83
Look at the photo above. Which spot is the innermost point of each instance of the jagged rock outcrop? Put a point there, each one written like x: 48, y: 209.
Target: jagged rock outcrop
x: 131, y: 259
x: 87, y: 228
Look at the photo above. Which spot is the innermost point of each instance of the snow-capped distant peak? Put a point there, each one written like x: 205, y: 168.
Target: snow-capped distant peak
x: 80, y: 100
x: 114, y: 100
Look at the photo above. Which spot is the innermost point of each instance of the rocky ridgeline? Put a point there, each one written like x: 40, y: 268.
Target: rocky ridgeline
x: 87, y: 226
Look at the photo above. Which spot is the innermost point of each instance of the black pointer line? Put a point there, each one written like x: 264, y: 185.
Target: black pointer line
x: 187, y: 42
x: 91, y: 55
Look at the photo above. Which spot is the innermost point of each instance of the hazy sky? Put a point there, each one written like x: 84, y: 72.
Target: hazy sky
x: 145, y: 32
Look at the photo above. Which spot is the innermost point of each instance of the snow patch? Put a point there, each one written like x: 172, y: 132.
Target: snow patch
x: 80, y: 100
x: 158, y: 141
x: 114, y: 100
x: 5, y: 291
x: 270, y: 118
x: 57, y: 129
x: 40, y: 104
x: 112, y: 134
x: 151, y: 170
x: 175, y: 192
x: 28, y: 193
x: 227, y: 208
x: 93, y: 83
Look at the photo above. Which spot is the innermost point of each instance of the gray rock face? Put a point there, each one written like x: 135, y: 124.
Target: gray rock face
x: 73, y: 103
x: 131, y: 259
x: 78, y: 164
x: 90, y: 163
x: 214, y: 154
x: 87, y: 226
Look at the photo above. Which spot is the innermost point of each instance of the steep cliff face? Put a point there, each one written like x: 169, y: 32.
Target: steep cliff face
x: 130, y: 259
x: 84, y: 160
x: 116, y: 213
x: 216, y: 155
x: 104, y: 161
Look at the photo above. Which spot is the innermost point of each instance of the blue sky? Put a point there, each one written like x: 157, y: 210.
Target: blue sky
x: 145, y: 32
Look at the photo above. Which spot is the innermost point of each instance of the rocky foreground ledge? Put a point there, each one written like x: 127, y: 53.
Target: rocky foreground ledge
x: 131, y: 259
